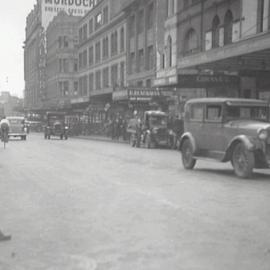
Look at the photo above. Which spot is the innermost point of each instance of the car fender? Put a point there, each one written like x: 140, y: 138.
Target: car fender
x: 188, y: 136
x: 251, y: 146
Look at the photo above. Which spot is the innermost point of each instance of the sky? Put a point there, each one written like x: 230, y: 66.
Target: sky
x: 12, y: 28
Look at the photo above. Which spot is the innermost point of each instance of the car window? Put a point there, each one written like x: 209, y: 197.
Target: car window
x: 253, y: 113
x: 196, y: 112
x: 213, y: 112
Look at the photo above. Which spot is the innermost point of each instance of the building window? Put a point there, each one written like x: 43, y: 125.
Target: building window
x: 228, y: 27
x: 105, y: 78
x: 122, y: 39
x: 169, y: 51
x: 75, y: 68
x: 191, y: 42
x: 91, y: 26
x: 105, y: 15
x: 215, y: 32
x: 84, y: 32
x: 169, y: 8
x: 114, y: 75
x: 140, y: 21
x: 63, y: 65
x: 91, y: 82
x: 75, y: 88
x: 150, y: 57
x: 148, y: 83
x: 141, y: 60
x: 80, y: 35
x: 150, y: 16
x: 260, y: 17
x: 132, y: 63
x: 132, y: 26
x: 80, y: 60
x: 91, y: 56
x: 114, y: 45
x: 98, y: 80
x: 97, y: 52
x: 63, y: 88
x: 105, y: 48
x: 84, y: 59
x: 122, y: 74
x: 98, y: 21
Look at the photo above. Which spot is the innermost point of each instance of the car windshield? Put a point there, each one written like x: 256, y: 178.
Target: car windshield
x: 158, y: 120
x: 259, y: 113
x: 55, y: 118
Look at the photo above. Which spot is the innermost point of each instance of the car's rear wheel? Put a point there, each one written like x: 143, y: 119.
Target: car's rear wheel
x: 187, y: 155
x: 243, y: 161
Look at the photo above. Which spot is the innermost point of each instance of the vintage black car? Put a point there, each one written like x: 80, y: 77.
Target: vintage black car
x: 227, y: 129
x: 152, y: 131
x: 55, y: 125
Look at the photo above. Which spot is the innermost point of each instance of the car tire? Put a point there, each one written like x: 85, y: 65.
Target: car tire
x: 61, y: 137
x: 243, y: 161
x: 187, y: 155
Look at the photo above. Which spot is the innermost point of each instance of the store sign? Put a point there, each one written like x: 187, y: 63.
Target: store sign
x: 140, y: 94
x: 199, y: 81
x: 51, y: 8
x: 79, y: 100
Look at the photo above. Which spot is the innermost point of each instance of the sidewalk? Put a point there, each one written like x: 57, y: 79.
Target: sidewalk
x: 98, y: 138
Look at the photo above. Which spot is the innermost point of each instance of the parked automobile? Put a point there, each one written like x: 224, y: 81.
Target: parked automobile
x: 55, y: 125
x: 152, y: 130
x: 227, y: 129
x: 17, y: 127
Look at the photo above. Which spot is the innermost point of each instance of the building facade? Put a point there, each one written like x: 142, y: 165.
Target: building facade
x: 101, y: 56
x: 61, y: 61
x: 35, y: 46
x: 141, y: 42
x: 34, y: 56
x: 215, y: 48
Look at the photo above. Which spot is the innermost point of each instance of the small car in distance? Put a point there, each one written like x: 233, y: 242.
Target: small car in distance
x: 152, y: 131
x: 227, y: 129
x: 17, y: 127
x: 55, y: 126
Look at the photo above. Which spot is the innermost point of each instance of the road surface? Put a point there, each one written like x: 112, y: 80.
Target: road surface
x: 89, y: 205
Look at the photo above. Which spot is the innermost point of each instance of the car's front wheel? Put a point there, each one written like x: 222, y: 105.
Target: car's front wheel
x: 243, y: 161
x: 187, y: 155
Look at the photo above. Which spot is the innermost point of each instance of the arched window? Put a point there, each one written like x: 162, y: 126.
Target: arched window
x: 215, y: 32
x: 191, y: 41
x: 169, y: 51
x: 228, y: 27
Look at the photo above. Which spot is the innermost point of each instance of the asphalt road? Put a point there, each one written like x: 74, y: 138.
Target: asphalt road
x: 88, y: 205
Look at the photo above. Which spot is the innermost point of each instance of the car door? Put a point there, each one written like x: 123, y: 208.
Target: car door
x: 213, y: 130
x: 195, y: 123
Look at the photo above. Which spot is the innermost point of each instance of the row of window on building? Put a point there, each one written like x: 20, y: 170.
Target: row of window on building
x: 101, y: 79
x: 100, y: 51
x: 99, y: 19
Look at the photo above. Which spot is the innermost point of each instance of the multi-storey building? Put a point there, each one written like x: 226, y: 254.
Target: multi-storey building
x: 214, y: 48
x: 101, y: 54
x: 61, y: 61
x: 141, y: 45
x: 34, y: 60
x: 35, y: 46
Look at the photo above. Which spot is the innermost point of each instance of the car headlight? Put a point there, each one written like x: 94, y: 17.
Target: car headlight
x: 66, y: 127
x: 263, y: 134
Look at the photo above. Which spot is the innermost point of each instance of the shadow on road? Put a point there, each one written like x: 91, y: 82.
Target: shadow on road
x: 257, y: 176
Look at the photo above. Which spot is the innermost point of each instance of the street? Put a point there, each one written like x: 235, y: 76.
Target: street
x: 92, y: 205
